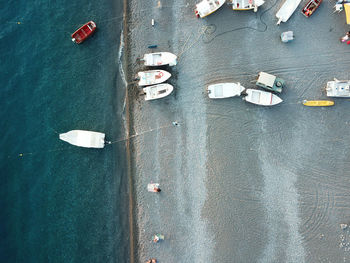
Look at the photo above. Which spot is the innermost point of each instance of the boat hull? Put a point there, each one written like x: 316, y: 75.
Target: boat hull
x: 152, y: 77
x: 159, y: 59
x: 84, y: 32
x: 224, y: 90
x: 158, y: 91
x: 318, y: 103
x: 207, y: 7
x: 262, y: 98
x: 286, y: 10
x: 81, y: 138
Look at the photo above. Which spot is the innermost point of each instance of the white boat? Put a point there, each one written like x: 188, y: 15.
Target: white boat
x: 224, y: 90
x: 151, y: 77
x: 246, y: 4
x: 157, y: 91
x: 338, y: 88
x: 260, y: 97
x: 286, y: 10
x: 159, y: 59
x: 88, y: 139
x: 207, y: 7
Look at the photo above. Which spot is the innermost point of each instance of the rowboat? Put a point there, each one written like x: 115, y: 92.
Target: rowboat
x: 286, y: 10
x: 84, y: 32
x: 207, y: 7
x: 310, y: 7
x: 159, y: 59
x: 87, y: 139
x: 157, y: 91
x: 318, y: 103
x: 246, y: 4
x: 338, y: 88
x: 260, y: 97
x: 224, y: 90
x: 152, y: 77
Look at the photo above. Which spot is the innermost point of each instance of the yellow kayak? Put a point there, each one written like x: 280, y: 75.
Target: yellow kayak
x: 318, y: 103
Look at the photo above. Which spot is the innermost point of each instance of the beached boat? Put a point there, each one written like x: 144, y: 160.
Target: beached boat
x: 159, y: 59
x: 270, y: 82
x: 260, y: 97
x: 318, y: 103
x: 286, y: 10
x: 246, y: 4
x: 224, y: 90
x: 157, y: 91
x: 207, y: 7
x: 81, y: 138
x: 311, y: 7
x: 152, y: 77
x: 338, y: 88
x: 84, y: 32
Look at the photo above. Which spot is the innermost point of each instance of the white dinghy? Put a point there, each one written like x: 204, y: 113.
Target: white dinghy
x: 260, y: 97
x: 207, y: 7
x: 338, y: 88
x: 159, y: 59
x: 152, y: 77
x: 88, y: 139
x: 157, y: 91
x: 224, y: 90
x: 246, y: 4
x: 286, y: 10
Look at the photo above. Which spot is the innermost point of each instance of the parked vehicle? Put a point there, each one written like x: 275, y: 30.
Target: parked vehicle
x: 270, y: 82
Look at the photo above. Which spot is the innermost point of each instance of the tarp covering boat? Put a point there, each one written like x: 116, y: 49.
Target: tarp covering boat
x: 157, y: 91
x: 151, y: 77
x: 246, y: 4
x: 207, y: 7
x: 286, y: 10
x: 88, y: 139
x: 260, y: 97
x: 224, y: 90
x: 160, y: 59
x: 338, y: 88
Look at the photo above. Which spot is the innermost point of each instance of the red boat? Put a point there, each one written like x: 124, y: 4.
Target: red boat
x: 310, y: 7
x: 84, y: 32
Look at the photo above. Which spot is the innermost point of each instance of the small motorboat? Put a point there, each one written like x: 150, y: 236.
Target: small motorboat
x: 81, y: 138
x: 246, y: 4
x: 84, y: 32
x: 338, y: 88
x: 286, y: 10
x: 224, y: 90
x: 157, y: 91
x: 260, y: 97
x: 207, y: 7
x: 310, y: 7
x: 152, y: 77
x: 270, y: 82
x: 318, y: 103
x: 159, y: 59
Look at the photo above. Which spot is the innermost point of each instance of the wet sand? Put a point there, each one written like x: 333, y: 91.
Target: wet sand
x: 240, y: 183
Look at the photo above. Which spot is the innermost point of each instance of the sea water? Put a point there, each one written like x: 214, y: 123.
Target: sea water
x: 61, y: 203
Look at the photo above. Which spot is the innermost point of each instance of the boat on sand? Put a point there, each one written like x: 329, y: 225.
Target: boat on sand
x: 207, y: 7
x: 157, y: 91
x: 246, y: 4
x: 260, y: 97
x: 286, y: 10
x: 81, y: 138
x: 318, y: 103
x: 224, y: 90
x: 159, y: 59
x: 84, y: 32
x: 152, y: 77
x: 338, y: 88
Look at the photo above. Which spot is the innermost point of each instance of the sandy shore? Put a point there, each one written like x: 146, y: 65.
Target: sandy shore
x: 240, y: 183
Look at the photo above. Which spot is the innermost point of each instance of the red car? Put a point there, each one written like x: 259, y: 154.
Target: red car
x: 310, y: 7
x: 84, y: 32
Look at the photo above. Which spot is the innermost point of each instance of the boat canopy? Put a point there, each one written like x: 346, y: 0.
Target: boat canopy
x: 88, y: 139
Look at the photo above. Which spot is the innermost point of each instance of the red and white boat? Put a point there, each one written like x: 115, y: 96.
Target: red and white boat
x: 84, y: 32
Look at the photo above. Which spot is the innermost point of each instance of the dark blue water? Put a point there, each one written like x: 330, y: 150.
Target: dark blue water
x: 61, y: 203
